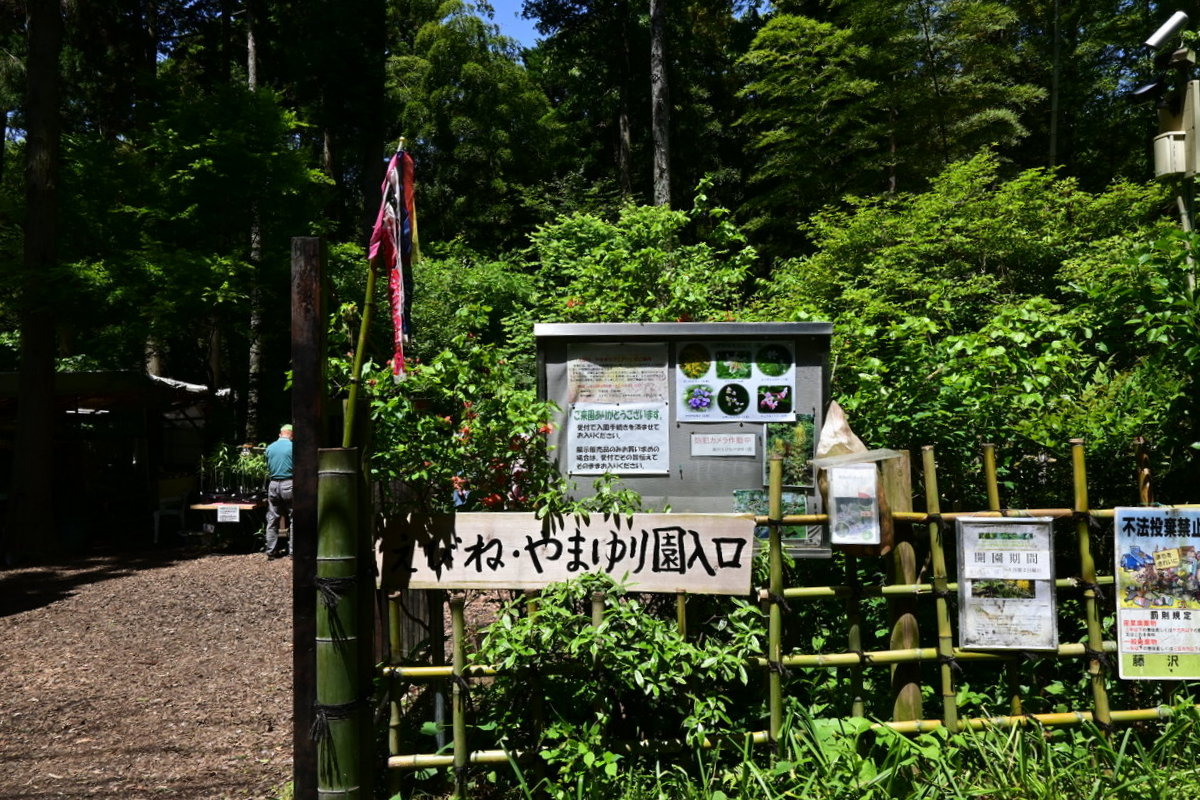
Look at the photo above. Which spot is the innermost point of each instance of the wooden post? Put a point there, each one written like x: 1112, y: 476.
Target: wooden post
x: 945, y: 635
x: 681, y: 623
x: 308, y: 417
x: 1087, y: 573
x: 1012, y: 670
x: 775, y: 620
x: 906, y: 676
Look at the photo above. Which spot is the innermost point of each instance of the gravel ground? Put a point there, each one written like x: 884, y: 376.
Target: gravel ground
x: 163, y: 675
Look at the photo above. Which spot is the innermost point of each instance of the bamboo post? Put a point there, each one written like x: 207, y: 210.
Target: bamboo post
x: 339, y: 695
x: 902, y: 569
x: 681, y: 612
x: 1145, y: 488
x: 775, y: 620
x: 1012, y: 670
x: 435, y: 602
x: 1087, y: 576
x: 941, y: 591
x: 854, y: 639
x: 459, y: 712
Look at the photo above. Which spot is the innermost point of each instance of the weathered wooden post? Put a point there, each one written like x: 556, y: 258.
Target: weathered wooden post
x: 308, y: 394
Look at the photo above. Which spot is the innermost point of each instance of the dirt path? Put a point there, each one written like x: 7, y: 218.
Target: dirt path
x: 146, y: 676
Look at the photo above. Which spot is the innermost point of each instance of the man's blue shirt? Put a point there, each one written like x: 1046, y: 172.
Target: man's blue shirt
x: 279, y: 459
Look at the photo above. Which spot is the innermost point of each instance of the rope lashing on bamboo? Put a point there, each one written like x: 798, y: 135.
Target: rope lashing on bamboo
x: 951, y: 660
x: 778, y: 668
x: 1094, y: 587
x: 864, y: 657
x: 1090, y: 518
x: 1099, y: 656
x: 331, y: 592
x: 781, y: 601
x: 323, y: 714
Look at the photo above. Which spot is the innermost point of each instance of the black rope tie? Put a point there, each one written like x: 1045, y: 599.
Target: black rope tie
x: 780, y: 601
x: 324, y: 714
x: 332, y: 590
x: 778, y: 668
x: 1092, y: 522
x: 1029, y: 656
x: 951, y: 660
x: 1099, y: 656
x: 1094, y: 587
x: 942, y: 594
x: 864, y: 657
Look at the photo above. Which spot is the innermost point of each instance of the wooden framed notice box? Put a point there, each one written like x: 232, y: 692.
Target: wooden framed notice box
x: 687, y: 414
x: 1006, y: 583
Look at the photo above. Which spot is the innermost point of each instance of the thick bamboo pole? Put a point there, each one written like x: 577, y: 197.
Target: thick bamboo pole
x: 1087, y: 574
x: 339, y: 696
x: 458, y: 636
x: 941, y: 591
x: 1012, y: 671
x: 775, y: 620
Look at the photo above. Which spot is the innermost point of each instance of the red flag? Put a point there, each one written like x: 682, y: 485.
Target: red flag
x: 391, y: 249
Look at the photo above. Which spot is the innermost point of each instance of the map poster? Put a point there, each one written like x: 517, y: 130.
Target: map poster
x: 617, y: 373
x: 1158, y: 593
x: 1006, y: 583
x: 631, y: 438
x: 736, y: 382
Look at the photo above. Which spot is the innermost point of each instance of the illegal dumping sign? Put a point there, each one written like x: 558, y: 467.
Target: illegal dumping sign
x: 1158, y: 593
x: 697, y: 553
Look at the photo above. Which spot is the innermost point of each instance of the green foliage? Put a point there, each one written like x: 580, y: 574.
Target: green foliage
x: 459, y: 423
x: 633, y: 676
x: 953, y: 327
x: 641, y: 267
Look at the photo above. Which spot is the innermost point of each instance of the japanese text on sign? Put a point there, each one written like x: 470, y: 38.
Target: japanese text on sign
x: 618, y: 439
x: 1157, y: 574
x: 700, y: 553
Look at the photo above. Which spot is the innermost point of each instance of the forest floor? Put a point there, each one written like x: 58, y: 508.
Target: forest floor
x: 160, y: 674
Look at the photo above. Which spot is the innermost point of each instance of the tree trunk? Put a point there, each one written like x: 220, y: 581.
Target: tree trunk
x: 255, y: 359
x: 624, y: 136
x: 659, y: 104
x: 30, y: 529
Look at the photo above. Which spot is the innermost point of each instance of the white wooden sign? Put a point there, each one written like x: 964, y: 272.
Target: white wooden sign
x: 697, y: 553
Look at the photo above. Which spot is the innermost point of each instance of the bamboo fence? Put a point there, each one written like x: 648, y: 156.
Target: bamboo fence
x: 775, y: 663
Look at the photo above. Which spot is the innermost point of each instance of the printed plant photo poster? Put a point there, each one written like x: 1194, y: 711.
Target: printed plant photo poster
x: 756, y: 502
x: 736, y: 381
x: 1006, y: 583
x: 794, y: 441
x: 853, y: 504
x: 1158, y: 593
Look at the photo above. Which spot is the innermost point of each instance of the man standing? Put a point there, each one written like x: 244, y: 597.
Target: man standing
x: 279, y: 491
